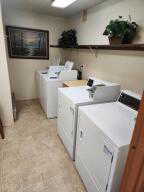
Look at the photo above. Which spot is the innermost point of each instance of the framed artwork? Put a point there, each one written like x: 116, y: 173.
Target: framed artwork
x: 27, y: 43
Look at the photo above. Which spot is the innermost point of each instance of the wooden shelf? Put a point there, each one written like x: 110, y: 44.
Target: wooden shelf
x: 136, y: 47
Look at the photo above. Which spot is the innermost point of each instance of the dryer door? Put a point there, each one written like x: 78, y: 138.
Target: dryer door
x: 94, y: 155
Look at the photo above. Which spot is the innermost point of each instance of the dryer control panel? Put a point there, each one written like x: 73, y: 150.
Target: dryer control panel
x: 129, y: 101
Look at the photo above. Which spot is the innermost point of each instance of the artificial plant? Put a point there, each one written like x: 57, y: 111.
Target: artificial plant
x: 125, y: 30
x: 68, y: 39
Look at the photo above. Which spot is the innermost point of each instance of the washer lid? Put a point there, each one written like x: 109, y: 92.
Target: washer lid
x: 116, y: 120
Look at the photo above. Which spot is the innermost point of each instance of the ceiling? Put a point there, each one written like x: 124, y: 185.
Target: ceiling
x: 44, y: 6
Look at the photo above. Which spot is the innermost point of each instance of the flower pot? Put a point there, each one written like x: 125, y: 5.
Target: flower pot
x: 115, y: 40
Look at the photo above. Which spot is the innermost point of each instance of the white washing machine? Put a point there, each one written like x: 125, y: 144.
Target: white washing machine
x: 51, y: 71
x: 69, y: 99
x: 50, y: 91
x: 103, y: 137
x: 47, y: 83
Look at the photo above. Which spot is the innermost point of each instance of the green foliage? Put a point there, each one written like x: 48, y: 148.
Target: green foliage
x: 122, y: 29
x: 68, y: 39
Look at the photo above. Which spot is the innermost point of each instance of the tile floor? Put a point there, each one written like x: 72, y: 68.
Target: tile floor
x: 32, y: 157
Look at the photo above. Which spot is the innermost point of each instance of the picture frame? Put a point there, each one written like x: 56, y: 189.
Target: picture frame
x: 27, y: 43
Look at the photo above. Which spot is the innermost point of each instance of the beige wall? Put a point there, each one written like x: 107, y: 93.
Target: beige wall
x: 125, y: 67
x: 5, y: 94
x: 22, y: 71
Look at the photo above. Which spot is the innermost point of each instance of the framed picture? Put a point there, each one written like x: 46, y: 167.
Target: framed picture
x: 27, y: 43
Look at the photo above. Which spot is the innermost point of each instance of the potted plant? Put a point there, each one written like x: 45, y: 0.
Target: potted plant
x: 120, y: 31
x: 68, y: 39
